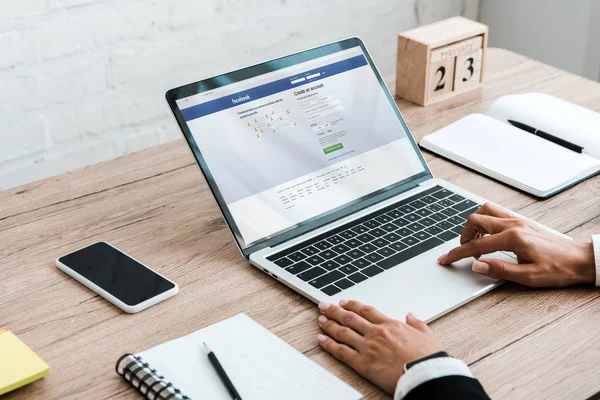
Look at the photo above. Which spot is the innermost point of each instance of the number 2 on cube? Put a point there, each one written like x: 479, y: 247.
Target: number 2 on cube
x: 441, y: 84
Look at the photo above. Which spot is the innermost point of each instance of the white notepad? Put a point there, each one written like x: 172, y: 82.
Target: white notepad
x: 260, y: 365
x: 495, y: 148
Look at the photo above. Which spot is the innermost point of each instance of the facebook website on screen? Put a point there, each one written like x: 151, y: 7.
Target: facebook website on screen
x: 291, y: 144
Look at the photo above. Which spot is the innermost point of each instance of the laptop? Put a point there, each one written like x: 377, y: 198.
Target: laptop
x: 323, y: 186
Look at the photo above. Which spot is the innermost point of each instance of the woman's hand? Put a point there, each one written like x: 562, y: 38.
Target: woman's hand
x: 375, y: 346
x: 545, y: 259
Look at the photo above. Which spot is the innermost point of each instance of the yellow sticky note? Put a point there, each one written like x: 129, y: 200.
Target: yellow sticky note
x: 19, y: 365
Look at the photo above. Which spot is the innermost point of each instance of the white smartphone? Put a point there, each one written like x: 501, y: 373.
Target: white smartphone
x: 119, y: 278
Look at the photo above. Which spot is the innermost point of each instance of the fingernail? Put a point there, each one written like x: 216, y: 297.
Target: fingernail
x: 324, y: 306
x: 322, y: 319
x: 414, y: 316
x: 442, y: 258
x: 321, y: 338
x: 480, y: 267
x: 343, y: 303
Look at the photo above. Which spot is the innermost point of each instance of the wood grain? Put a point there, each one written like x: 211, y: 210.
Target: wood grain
x: 523, y: 343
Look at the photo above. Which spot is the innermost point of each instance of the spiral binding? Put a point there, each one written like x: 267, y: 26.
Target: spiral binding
x: 147, y: 380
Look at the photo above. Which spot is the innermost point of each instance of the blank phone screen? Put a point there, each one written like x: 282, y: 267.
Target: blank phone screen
x: 117, y: 273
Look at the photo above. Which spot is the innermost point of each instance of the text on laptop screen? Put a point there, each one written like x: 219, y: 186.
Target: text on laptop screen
x: 292, y: 144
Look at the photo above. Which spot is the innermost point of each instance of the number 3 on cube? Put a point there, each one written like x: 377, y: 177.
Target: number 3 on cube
x: 468, y: 70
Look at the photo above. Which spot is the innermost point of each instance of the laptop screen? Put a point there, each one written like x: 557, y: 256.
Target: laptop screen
x: 287, y: 146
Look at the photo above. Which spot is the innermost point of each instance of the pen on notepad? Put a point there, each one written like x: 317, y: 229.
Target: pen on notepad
x: 545, y: 135
x: 222, y: 374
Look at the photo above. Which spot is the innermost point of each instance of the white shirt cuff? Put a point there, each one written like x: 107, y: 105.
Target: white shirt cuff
x: 596, y: 245
x: 428, y: 370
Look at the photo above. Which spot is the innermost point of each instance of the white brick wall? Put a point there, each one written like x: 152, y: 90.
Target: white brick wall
x: 82, y: 81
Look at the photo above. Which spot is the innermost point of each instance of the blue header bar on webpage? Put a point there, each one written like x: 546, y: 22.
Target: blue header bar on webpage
x: 268, y: 89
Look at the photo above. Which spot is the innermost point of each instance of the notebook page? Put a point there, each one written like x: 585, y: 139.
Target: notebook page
x: 553, y: 115
x: 260, y: 365
x: 503, y: 151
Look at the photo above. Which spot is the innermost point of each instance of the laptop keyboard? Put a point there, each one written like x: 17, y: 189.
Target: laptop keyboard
x: 361, y: 249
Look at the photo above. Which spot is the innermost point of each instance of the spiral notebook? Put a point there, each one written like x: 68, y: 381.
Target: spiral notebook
x: 260, y: 365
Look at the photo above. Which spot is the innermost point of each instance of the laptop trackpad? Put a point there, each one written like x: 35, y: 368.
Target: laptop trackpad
x: 424, y: 287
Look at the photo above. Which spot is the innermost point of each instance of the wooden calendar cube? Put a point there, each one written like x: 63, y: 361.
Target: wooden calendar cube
x: 439, y: 60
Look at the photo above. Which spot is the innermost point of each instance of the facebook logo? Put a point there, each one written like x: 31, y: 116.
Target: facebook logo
x: 240, y: 99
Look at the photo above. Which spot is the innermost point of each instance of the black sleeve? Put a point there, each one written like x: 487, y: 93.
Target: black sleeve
x: 447, y: 387
x: 450, y: 388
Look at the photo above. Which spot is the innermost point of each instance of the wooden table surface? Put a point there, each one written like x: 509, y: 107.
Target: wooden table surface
x: 521, y: 343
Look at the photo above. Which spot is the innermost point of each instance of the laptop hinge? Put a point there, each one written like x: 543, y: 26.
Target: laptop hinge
x: 286, y: 237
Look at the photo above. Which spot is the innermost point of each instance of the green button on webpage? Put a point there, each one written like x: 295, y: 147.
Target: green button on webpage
x: 332, y: 148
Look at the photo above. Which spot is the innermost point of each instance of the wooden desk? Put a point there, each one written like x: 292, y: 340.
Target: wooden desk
x: 522, y: 343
